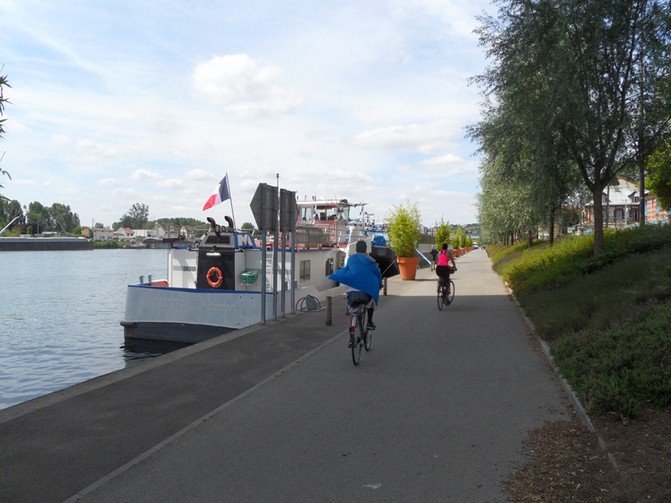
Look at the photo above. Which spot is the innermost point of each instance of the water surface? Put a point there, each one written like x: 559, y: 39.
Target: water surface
x: 60, y: 314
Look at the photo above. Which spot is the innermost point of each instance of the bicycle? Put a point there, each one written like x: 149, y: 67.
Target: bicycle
x: 360, y: 335
x: 445, y: 298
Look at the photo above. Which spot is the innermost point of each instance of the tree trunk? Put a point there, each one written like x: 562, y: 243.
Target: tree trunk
x: 552, y: 225
x: 598, y: 219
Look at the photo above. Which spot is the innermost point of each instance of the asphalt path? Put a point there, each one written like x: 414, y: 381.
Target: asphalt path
x: 438, y: 410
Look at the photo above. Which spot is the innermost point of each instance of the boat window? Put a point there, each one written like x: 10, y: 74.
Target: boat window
x: 329, y: 267
x: 304, y: 270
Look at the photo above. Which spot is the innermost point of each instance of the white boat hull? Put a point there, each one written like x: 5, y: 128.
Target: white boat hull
x: 189, y: 315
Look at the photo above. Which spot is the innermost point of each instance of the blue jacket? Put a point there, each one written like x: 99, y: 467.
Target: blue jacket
x: 360, y: 272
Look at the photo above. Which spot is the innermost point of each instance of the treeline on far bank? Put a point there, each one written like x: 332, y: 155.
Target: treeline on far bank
x: 605, y: 317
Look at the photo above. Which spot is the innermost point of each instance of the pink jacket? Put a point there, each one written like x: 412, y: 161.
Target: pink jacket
x: 444, y: 258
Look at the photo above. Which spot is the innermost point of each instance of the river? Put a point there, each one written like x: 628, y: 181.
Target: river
x: 60, y: 314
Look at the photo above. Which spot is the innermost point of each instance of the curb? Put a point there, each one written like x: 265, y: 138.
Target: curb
x: 577, y: 404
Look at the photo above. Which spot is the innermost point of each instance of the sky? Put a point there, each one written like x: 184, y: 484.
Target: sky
x: 120, y: 102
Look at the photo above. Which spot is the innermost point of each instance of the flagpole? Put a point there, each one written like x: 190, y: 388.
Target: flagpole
x: 230, y: 197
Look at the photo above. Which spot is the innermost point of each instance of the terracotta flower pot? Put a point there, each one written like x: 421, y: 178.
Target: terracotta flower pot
x: 407, y: 267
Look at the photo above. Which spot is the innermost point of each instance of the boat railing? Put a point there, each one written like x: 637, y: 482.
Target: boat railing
x: 314, y: 237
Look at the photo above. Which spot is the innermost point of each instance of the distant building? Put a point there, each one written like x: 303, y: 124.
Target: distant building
x: 124, y: 234
x: 654, y: 214
x: 145, y: 233
x: 103, y: 234
x: 621, y: 205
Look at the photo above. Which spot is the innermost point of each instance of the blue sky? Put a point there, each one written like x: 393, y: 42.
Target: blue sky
x: 116, y: 103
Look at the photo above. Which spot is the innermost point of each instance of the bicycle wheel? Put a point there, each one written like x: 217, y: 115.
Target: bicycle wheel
x: 450, y: 297
x: 367, y: 334
x: 356, y: 341
x: 440, y: 297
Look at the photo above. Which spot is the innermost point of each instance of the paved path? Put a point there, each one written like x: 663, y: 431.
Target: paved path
x: 437, y: 411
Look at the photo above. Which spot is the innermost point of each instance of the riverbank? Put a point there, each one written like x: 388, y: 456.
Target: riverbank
x: 607, y: 322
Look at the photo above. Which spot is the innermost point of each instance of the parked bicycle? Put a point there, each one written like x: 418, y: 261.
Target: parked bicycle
x: 445, y: 293
x: 360, y: 335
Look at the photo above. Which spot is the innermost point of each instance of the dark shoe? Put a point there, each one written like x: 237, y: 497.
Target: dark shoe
x: 370, y: 325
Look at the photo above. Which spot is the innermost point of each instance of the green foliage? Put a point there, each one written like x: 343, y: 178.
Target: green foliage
x: 607, y: 318
x: 459, y: 239
x: 110, y: 244
x: 573, y: 257
x: 176, y: 223
x: 136, y: 218
x: 248, y: 227
x: 3, y: 100
x: 566, y: 87
x: 442, y: 233
x: 8, y: 211
x: 659, y: 175
x: 57, y: 218
x: 623, y: 368
x: 404, y: 229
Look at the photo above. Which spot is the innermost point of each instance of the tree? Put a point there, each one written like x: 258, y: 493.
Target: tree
x: 659, y: 175
x: 37, y: 218
x: 9, y: 210
x: 136, y: 218
x: 442, y: 232
x: 3, y: 100
x: 248, y: 227
x: 595, y: 75
x: 63, y: 219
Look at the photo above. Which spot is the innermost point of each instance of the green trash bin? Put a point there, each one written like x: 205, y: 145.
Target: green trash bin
x: 249, y: 277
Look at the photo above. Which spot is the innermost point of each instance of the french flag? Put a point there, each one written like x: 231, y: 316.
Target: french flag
x: 220, y: 194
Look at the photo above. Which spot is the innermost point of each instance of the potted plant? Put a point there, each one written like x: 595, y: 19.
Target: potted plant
x: 403, y: 229
x: 442, y: 233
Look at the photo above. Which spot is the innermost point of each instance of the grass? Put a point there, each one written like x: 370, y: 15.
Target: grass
x: 607, y: 319
x: 553, y: 266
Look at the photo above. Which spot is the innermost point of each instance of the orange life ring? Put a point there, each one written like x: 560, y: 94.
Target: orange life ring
x: 220, y: 277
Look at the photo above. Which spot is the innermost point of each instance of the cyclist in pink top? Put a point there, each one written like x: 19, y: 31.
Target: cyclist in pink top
x: 443, y: 269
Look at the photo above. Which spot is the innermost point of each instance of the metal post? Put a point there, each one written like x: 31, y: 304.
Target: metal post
x: 283, y: 283
x: 293, y: 268
x: 264, y: 256
x: 329, y: 310
x: 384, y: 291
x: 276, y: 238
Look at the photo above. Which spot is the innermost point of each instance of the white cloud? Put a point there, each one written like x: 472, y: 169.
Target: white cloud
x: 144, y: 174
x: 170, y: 183
x: 108, y: 182
x: 61, y: 140
x: 200, y: 174
x: 242, y: 87
x: 450, y: 164
x: 429, y: 137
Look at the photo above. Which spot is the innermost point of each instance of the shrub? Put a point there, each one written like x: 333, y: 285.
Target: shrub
x: 553, y: 266
x: 622, y: 369
x: 404, y: 229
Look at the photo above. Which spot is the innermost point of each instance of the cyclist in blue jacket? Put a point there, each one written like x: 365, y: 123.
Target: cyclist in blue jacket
x: 362, y: 276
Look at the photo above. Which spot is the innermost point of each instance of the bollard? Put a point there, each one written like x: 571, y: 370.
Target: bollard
x: 329, y: 310
x: 384, y: 291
